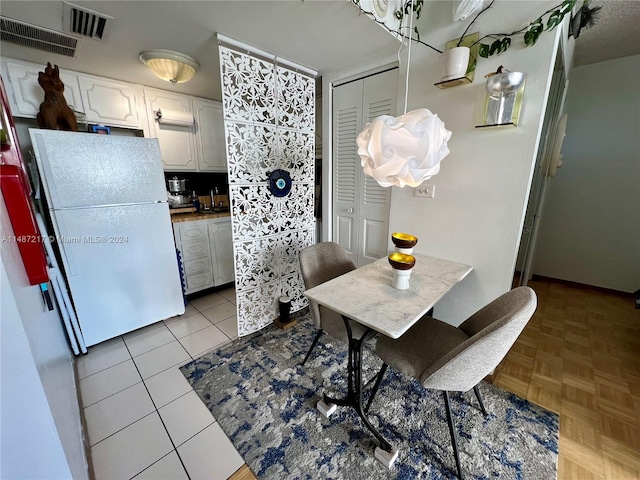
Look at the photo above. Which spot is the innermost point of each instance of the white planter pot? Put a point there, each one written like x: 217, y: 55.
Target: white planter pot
x: 454, y: 63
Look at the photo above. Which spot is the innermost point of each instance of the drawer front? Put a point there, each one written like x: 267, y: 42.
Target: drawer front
x: 199, y: 281
x: 196, y: 266
x: 194, y: 250
x: 190, y: 232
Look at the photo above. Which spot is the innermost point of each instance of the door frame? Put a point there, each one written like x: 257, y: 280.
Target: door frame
x: 554, y: 110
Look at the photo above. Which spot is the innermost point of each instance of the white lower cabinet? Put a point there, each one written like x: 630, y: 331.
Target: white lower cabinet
x: 221, y: 242
x: 206, y: 248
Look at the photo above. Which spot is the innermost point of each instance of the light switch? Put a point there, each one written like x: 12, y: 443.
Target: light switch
x: 426, y: 190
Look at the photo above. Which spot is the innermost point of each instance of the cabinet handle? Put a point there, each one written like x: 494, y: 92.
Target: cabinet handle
x: 349, y: 210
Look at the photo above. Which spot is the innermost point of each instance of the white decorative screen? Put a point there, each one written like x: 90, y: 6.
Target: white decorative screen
x: 269, y: 116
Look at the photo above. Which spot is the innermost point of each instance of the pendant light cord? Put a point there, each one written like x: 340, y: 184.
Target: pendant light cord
x: 406, y: 83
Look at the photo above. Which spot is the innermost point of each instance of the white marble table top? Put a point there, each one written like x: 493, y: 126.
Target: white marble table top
x: 366, y: 295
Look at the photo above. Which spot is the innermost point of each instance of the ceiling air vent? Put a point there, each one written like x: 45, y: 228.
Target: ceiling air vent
x: 85, y: 22
x: 36, y: 37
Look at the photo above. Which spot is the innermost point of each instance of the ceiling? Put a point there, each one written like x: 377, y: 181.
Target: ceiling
x: 322, y: 35
x: 616, y: 33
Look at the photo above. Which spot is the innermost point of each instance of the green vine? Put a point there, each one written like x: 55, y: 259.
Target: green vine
x: 399, y: 14
x: 501, y: 41
x: 531, y: 32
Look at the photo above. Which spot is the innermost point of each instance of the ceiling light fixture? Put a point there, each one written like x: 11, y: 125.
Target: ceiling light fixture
x: 174, y: 67
x: 404, y: 150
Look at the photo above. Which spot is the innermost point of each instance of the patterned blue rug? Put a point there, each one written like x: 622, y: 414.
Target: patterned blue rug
x: 266, y: 404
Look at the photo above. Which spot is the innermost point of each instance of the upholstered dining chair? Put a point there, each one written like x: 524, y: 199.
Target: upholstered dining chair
x: 319, y: 263
x: 448, y: 358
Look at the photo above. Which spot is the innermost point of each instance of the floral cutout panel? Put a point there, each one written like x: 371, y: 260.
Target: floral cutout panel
x: 269, y: 116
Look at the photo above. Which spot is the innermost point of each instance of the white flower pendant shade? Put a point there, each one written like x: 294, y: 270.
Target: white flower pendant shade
x: 404, y: 150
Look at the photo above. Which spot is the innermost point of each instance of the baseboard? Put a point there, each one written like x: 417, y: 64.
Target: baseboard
x: 583, y: 286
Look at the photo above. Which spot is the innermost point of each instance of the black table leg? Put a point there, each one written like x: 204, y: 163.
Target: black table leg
x: 354, y: 390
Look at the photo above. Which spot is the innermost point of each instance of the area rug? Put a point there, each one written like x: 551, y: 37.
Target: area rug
x: 266, y: 404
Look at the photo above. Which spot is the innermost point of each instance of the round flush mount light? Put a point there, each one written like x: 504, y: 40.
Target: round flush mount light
x: 174, y: 67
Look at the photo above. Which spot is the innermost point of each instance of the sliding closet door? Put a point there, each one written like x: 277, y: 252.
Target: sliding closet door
x: 361, y: 206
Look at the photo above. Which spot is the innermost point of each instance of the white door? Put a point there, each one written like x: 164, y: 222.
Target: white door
x: 121, y: 266
x: 83, y: 169
x: 347, y: 123
x: 361, y: 206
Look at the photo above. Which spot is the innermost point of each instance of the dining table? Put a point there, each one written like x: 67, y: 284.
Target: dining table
x: 366, y: 295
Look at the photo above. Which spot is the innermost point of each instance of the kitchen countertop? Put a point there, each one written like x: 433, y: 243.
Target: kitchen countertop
x: 188, y: 217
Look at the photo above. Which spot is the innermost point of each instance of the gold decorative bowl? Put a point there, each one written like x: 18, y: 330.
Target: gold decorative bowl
x: 401, y: 261
x: 403, y: 240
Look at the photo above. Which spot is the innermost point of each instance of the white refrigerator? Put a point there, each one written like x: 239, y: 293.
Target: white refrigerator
x: 108, y: 205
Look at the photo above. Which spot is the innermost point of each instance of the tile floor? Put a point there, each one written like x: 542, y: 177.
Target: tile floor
x: 143, y: 419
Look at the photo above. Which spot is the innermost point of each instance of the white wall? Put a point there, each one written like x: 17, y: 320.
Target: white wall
x: 482, y: 188
x: 590, y: 231
x: 40, y: 416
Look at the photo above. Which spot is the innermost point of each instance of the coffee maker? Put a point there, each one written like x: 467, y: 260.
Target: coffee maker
x: 177, y: 194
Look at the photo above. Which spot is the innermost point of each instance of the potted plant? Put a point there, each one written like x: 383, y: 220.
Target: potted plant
x: 547, y: 21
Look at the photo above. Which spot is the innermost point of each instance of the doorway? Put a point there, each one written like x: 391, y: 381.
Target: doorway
x: 360, y: 206
x: 537, y: 194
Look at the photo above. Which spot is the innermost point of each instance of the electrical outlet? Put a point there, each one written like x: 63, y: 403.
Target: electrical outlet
x: 426, y: 190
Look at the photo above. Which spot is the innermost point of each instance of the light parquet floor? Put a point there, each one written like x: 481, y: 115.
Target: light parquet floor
x: 579, y: 356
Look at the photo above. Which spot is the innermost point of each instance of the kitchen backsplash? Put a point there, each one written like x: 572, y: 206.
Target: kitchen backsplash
x: 202, y: 183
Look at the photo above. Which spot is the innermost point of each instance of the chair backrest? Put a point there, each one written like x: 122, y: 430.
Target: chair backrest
x: 492, y: 331
x: 319, y: 263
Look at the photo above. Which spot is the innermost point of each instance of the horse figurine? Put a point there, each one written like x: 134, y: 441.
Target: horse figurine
x: 54, y: 112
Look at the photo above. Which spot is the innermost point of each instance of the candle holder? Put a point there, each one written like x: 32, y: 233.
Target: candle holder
x: 402, y: 265
x: 404, y: 242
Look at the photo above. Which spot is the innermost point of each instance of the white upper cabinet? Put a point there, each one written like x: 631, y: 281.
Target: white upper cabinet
x: 210, y: 142
x: 198, y: 147
x: 109, y: 102
x: 27, y: 92
x: 177, y: 143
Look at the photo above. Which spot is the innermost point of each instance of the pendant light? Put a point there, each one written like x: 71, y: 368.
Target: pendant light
x: 404, y: 150
x: 174, y: 67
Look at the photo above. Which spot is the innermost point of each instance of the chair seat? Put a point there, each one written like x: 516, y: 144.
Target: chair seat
x: 333, y: 324
x: 420, y: 347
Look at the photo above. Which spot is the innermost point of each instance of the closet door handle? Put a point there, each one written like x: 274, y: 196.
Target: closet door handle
x: 349, y: 210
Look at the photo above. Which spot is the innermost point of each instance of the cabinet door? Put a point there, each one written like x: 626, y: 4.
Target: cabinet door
x: 221, y: 241
x: 190, y: 231
x: 198, y: 282
x: 210, y: 141
x: 177, y: 144
x: 28, y: 94
x: 109, y: 102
